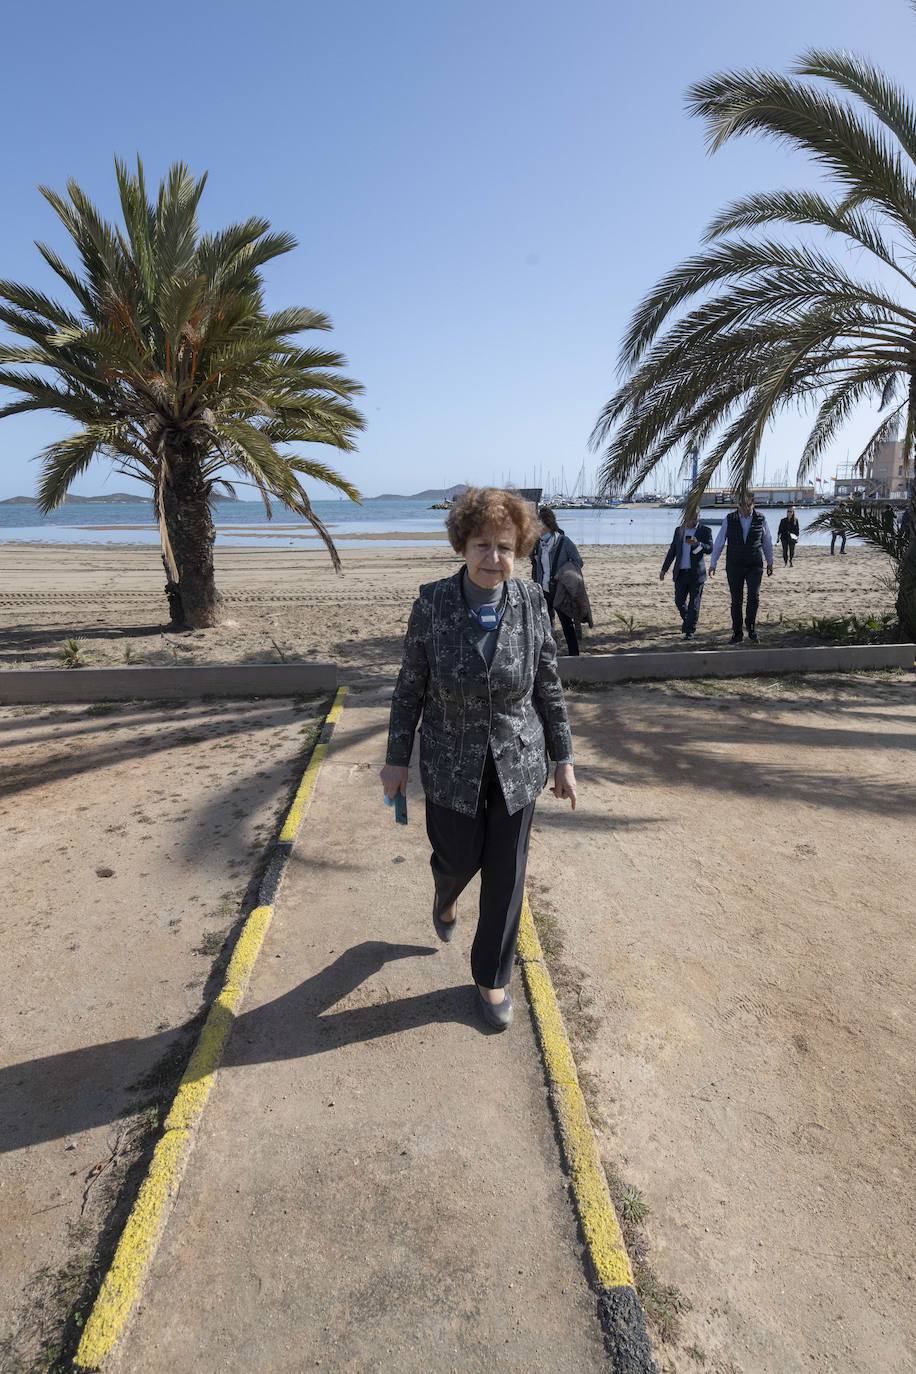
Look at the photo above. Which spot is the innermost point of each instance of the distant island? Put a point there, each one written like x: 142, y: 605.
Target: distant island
x: 114, y: 498
x: 433, y: 494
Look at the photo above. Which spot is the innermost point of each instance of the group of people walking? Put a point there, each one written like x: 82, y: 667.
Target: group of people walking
x: 479, y: 678
x: 745, y: 537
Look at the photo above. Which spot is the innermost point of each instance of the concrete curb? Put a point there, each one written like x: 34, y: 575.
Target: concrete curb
x: 734, y: 662
x: 619, y: 1309
x: 35, y: 686
x: 121, y: 1287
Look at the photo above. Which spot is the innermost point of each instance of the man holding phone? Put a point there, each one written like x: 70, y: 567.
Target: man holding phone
x: 692, y: 541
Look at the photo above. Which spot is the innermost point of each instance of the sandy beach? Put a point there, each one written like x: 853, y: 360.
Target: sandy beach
x: 289, y: 604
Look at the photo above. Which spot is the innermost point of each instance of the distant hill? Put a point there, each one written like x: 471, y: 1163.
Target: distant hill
x: 433, y: 494
x: 114, y: 498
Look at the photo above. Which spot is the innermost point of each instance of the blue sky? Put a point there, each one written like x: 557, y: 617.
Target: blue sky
x: 481, y: 192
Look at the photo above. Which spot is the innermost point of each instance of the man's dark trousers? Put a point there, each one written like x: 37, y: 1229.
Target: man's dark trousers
x: 739, y: 578
x: 495, y: 845
x: 688, y: 593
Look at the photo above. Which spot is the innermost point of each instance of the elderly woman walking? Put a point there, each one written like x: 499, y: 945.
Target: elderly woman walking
x: 480, y: 668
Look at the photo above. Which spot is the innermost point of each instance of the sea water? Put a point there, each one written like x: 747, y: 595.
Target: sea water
x: 243, y: 524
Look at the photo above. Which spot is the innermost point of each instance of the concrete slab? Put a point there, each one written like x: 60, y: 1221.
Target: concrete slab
x: 376, y: 1186
x: 741, y: 661
x: 41, y: 685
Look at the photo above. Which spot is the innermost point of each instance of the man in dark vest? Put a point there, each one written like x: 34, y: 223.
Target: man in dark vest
x: 746, y: 538
x: 692, y: 539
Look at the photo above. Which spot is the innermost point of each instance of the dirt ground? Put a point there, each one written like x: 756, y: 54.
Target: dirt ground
x: 375, y: 1187
x: 735, y: 898
x: 734, y: 895
x: 130, y: 835
x: 288, y: 603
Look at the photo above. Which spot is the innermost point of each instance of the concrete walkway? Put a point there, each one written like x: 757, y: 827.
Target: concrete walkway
x: 376, y: 1185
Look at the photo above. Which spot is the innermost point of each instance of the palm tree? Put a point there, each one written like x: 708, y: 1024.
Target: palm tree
x: 756, y: 322
x: 173, y: 369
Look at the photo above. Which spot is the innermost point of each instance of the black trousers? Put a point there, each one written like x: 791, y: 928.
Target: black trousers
x: 739, y: 578
x: 567, y: 624
x: 495, y: 845
x: 688, y: 593
x: 788, y: 550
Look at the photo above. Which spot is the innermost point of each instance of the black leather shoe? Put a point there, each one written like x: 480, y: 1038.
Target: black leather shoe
x: 444, y: 929
x: 736, y: 639
x: 496, y: 1014
x: 752, y: 636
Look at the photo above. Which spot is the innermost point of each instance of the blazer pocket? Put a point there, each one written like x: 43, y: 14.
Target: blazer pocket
x: 530, y: 738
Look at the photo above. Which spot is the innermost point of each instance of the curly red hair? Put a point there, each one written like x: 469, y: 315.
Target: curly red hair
x: 487, y: 508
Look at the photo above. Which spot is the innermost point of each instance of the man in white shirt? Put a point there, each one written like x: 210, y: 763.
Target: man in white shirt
x: 746, y: 538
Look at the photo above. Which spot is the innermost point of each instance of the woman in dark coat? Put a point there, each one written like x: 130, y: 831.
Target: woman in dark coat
x: 553, y: 551
x: 480, y: 668
x: 787, y: 534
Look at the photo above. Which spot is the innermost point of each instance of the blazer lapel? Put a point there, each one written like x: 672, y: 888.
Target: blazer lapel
x: 509, y: 627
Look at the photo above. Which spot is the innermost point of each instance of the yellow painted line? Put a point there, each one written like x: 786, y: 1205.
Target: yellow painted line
x: 307, y: 785
x: 139, y: 1240
x: 604, y: 1241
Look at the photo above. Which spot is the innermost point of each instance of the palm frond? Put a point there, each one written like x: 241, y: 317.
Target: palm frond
x: 887, y: 430
x: 860, y: 157
x: 835, y: 410
x: 865, y: 521
x: 861, y: 78
x: 65, y: 460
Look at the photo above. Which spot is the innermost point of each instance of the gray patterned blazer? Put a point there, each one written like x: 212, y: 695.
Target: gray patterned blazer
x: 514, y: 708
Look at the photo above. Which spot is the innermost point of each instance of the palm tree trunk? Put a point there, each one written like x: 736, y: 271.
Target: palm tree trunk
x: 906, y: 570
x: 906, y: 580
x: 193, y: 599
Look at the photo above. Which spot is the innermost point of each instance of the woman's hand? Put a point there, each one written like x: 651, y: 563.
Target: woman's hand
x: 394, y: 780
x: 564, y: 783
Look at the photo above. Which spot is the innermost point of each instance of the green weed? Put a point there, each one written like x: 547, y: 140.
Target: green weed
x: 856, y: 629
x: 70, y: 654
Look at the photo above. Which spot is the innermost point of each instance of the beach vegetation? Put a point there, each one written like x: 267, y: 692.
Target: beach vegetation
x: 878, y: 527
x: 856, y: 629
x: 761, y: 319
x: 70, y: 654
x: 172, y: 367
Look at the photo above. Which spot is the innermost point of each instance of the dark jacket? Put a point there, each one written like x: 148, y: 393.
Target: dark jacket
x: 564, y: 551
x: 512, y: 709
x: 698, y: 552
x: 787, y: 527
x: 571, y: 597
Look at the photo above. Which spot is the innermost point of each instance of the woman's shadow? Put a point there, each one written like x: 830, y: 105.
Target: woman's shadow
x: 65, y: 1094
